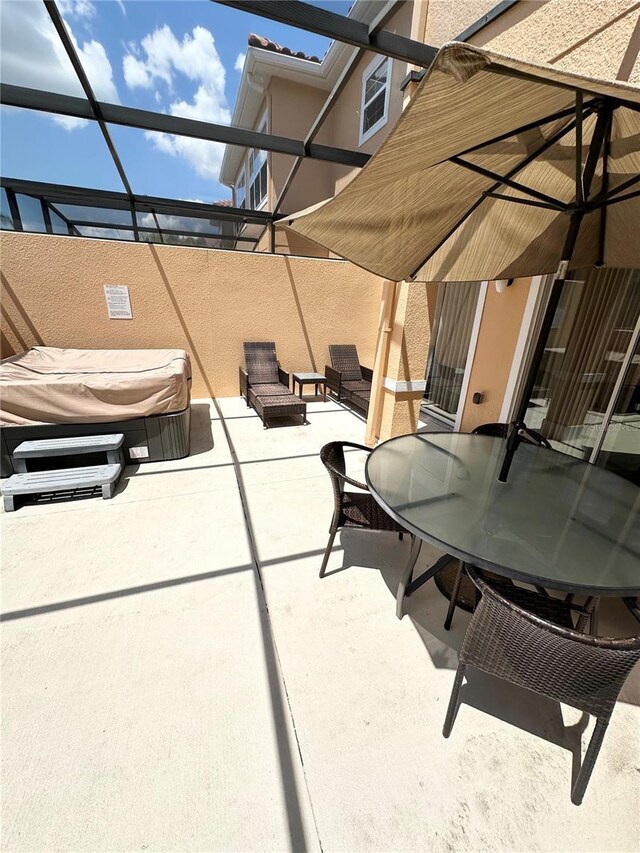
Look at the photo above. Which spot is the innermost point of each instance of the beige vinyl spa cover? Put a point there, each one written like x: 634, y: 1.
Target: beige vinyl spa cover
x: 57, y: 386
x: 414, y: 211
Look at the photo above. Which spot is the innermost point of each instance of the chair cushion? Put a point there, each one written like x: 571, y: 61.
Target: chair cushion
x: 358, y: 385
x: 270, y: 389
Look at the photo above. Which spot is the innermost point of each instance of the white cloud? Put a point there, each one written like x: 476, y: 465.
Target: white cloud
x: 239, y: 65
x: 77, y: 8
x: 32, y: 55
x: 159, y: 58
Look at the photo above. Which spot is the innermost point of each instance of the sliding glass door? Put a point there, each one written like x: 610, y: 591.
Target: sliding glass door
x: 586, y: 399
x: 451, y: 332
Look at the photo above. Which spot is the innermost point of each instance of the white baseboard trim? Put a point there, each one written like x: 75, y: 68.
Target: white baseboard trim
x: 399, y: 387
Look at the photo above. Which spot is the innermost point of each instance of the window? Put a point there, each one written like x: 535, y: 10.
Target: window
x: 375, y: 97
x: 258, y: 172
x: 241, y: 191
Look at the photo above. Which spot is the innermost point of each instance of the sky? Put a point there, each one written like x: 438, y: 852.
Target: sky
x: 182, y: 57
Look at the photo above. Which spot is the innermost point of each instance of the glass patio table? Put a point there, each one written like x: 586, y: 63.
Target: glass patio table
x: 558, y: 522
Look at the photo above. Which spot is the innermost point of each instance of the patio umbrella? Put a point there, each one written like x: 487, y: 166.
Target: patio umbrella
x: 497, y: 169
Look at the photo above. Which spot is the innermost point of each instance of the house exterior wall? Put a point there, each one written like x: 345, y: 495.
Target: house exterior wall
x: 599, y: 39
x: 445, y: 20
x: 206, y: 301
x: 345, y: 115
x: 495, y: 348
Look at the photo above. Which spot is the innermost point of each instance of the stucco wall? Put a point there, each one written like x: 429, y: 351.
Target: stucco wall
x: 445, y: 19
x: 599, y: 38
x: 497, y: 338
x: 205, y: 301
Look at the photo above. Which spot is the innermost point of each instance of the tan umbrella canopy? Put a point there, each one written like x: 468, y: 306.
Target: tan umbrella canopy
x: 497, y: 169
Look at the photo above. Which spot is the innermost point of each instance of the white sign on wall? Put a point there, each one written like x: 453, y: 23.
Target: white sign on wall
x: 118, y: 302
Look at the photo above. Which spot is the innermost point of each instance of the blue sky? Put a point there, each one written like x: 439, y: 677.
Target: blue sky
x: 174, y: 56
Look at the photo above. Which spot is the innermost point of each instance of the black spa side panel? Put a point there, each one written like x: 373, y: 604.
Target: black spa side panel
x: 154, y: 439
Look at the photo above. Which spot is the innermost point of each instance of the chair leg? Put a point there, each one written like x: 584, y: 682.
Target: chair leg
x: 454, y: 596
x: 453, y: 701
x: 325, y: 559
x: 589, y: 761
x: 416, y: 545
x: 590, y: 616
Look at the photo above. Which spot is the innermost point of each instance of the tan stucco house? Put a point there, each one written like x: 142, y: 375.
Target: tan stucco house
x: 454, y: 355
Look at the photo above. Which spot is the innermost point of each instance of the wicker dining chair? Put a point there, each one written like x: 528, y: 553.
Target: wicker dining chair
x: 351, y: 509
x: 541, y: 651
x: 463, y: 593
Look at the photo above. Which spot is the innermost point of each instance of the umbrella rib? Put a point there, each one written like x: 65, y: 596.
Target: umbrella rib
x: 602, y: 225
x: 569, y: 111
x: 528, y: 159
x: 528, y: 201
x: 620, y: 188
x: 606, y: 202
x: 506, y: 181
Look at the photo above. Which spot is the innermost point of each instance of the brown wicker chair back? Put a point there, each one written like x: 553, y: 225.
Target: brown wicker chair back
x: 261, y: 362
x: 351, y: 509
x: 344, y: 357
x: 561, y: 663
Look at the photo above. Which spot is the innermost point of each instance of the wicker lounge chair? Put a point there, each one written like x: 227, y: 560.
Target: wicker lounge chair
x: 265, y: 385
x: 346, y: 377
x: 540, y: 650
x: 351, y: 509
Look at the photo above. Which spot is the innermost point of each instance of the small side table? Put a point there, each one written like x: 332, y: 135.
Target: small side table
x: 310, y: 379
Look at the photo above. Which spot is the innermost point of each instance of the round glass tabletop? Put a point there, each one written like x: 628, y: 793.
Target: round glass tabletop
x: 558, y: 521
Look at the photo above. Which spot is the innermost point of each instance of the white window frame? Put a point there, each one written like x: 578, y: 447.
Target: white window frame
x: 368, y: 71
x: 242, y: 177
x: 454, y: 421
x: 261, y: 127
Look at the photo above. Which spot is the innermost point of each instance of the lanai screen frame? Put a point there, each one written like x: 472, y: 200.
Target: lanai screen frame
x: 365, y: 37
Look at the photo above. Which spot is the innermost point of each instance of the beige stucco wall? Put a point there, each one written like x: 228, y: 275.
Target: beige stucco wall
x: 497, y: 338
x: 205, y: 301
x: 599, y: 38
x: 445, y: 19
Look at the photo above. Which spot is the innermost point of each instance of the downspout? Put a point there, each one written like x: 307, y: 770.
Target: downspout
x: 374, y: 418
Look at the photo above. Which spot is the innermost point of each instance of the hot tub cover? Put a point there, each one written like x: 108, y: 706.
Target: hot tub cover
x: 52, y: 386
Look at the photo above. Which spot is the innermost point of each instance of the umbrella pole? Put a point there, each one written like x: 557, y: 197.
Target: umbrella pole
x: 519, y: 427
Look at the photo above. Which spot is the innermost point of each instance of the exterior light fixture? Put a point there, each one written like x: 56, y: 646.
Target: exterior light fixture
x: 502, y: 284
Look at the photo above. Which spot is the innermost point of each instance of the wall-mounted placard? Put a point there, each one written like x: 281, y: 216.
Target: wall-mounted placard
x: 118, y: 302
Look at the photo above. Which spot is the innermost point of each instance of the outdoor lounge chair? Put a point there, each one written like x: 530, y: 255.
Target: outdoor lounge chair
x: 542, y: 651
x: 351, y: 509
x: 346, y: 377
x: 265, y: 385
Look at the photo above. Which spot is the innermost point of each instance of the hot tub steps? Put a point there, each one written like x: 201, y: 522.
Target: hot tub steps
x: 65, y: 481
x: 76, y: 446
x: 61, y: 480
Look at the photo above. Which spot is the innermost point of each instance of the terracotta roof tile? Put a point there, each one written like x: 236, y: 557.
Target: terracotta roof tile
x: 266, y: 44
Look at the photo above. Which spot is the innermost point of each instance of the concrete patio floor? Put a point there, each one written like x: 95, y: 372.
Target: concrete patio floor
x: 177, y: 677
